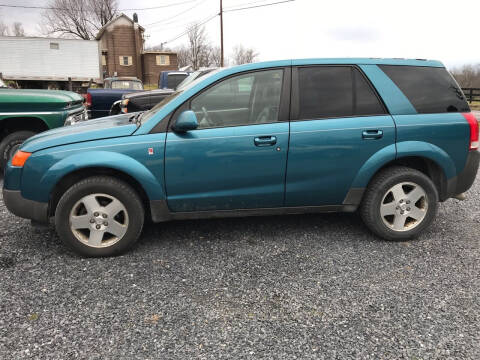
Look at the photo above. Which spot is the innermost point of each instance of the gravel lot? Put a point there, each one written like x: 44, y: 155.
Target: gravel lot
x: 292, y: 287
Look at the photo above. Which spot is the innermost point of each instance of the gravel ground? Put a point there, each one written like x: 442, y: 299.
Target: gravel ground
x: 291, y: 287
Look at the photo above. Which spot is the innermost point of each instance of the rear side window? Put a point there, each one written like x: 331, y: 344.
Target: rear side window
x: 335, y: 91
x: 429, y: 89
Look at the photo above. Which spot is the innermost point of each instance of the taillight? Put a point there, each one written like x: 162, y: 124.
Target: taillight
x: 473, y: 123
x: 88, y: 99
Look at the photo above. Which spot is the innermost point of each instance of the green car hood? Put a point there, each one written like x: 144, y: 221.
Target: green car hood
x: 109, y: 127
x: 16, y: 100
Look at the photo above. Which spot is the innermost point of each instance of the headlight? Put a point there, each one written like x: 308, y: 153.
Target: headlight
x: 77, y: 117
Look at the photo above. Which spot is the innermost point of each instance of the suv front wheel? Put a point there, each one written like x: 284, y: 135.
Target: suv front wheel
x: 99, y: 216
x: 399, y: 203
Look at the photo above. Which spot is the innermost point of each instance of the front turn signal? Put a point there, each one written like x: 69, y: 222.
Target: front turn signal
x: 20, y: 158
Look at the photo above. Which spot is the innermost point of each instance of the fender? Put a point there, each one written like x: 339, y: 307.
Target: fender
x: 373, y: 164
x: 429, y: 151
x: 103, y: 159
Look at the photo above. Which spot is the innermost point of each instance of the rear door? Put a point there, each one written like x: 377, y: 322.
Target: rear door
x: 338, y: 123
x: 236, y: 159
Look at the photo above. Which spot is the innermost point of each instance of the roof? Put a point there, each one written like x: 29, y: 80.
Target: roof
x: 159, y: 52
x: 21, y: 38
x: 367, y: 61
x: 104, y: 27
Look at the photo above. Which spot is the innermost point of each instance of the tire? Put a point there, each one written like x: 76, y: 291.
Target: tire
x: 390, y: 208
x: 103, y: 203
x: 10, y: 144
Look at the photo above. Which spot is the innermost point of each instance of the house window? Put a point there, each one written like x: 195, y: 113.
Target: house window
x: 125, y: 60
x: 163, y: 60
x: 54, y: 46
x: 104, y: 60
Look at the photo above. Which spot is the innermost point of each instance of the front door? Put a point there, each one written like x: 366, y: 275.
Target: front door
x: 236, y: 159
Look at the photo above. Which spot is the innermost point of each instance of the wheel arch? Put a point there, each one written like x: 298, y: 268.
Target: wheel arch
x: 426, y: 166
x: 77, y: 175
x: 424, y: 157
x: 24, y: 123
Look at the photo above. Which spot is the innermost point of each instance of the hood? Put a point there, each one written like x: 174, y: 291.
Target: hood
x: 19, y: 100
x: 147, y: 93
x: 104, y: 128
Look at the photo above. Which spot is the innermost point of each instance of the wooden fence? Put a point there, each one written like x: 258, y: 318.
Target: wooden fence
x: 472, y: 94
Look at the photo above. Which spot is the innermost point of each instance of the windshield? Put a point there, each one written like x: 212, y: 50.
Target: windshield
x: 2, y: 84
x: 127, y: 85
x: 151, y: 113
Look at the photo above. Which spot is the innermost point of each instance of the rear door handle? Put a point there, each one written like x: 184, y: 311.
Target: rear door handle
x: 265, y: 140
x: 372, y: 134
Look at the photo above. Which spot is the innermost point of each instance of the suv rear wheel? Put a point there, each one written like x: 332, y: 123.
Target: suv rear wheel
x: 10, y: 144
x: 399, y: 203
x: 99, y: 216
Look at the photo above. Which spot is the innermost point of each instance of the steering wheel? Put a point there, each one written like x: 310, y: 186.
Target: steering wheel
x: 264, y: 116
x: 208, y: 120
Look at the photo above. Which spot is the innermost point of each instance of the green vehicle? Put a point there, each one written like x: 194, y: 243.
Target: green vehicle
x: 24, y: 113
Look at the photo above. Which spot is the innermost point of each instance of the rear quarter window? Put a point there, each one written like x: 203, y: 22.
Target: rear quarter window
x: 429, y: 89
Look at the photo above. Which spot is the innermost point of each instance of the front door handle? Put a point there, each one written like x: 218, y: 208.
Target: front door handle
x: 372, y: 134
x: 265, y: 140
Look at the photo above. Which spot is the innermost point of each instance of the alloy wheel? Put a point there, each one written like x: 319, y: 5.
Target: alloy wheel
x: 99, y: 220
x: 404, y: 206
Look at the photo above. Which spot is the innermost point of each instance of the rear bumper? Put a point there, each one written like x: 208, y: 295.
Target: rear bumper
x: 28, y: 209
x: 464, y: 180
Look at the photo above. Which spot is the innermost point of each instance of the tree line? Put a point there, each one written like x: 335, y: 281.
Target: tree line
x: 467, y: 76
x: 16, y: 29
x: 199, y: 53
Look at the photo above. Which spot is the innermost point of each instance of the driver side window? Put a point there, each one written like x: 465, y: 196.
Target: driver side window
x: 247, y: 99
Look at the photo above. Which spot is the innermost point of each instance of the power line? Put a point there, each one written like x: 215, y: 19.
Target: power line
x: 159, y: 7
x: 244, y: 4
x: 257, y: 6
x: 186, y: 31
x: 175, y: 16
x: 60, y: 8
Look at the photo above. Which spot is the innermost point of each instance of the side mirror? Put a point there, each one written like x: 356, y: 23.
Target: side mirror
x: 186, y: 121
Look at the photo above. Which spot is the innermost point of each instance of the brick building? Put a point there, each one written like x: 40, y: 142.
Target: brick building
x: 122, y: 45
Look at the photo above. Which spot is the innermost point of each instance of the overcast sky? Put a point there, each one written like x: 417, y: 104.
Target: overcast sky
x: 443, y: 30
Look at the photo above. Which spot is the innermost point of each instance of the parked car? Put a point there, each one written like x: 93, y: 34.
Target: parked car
x: 99, y: 101
x: 171, y: 79
x: 145, y: 100
x: 388, y: 137
x: 24, y: 113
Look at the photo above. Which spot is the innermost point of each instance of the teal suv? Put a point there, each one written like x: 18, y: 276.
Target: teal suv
x: 388, y: 137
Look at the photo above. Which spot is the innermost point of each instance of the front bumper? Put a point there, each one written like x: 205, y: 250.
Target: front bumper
x: 28, y: 209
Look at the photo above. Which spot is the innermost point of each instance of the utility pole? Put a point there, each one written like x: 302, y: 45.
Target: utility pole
x: 221, y: 33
